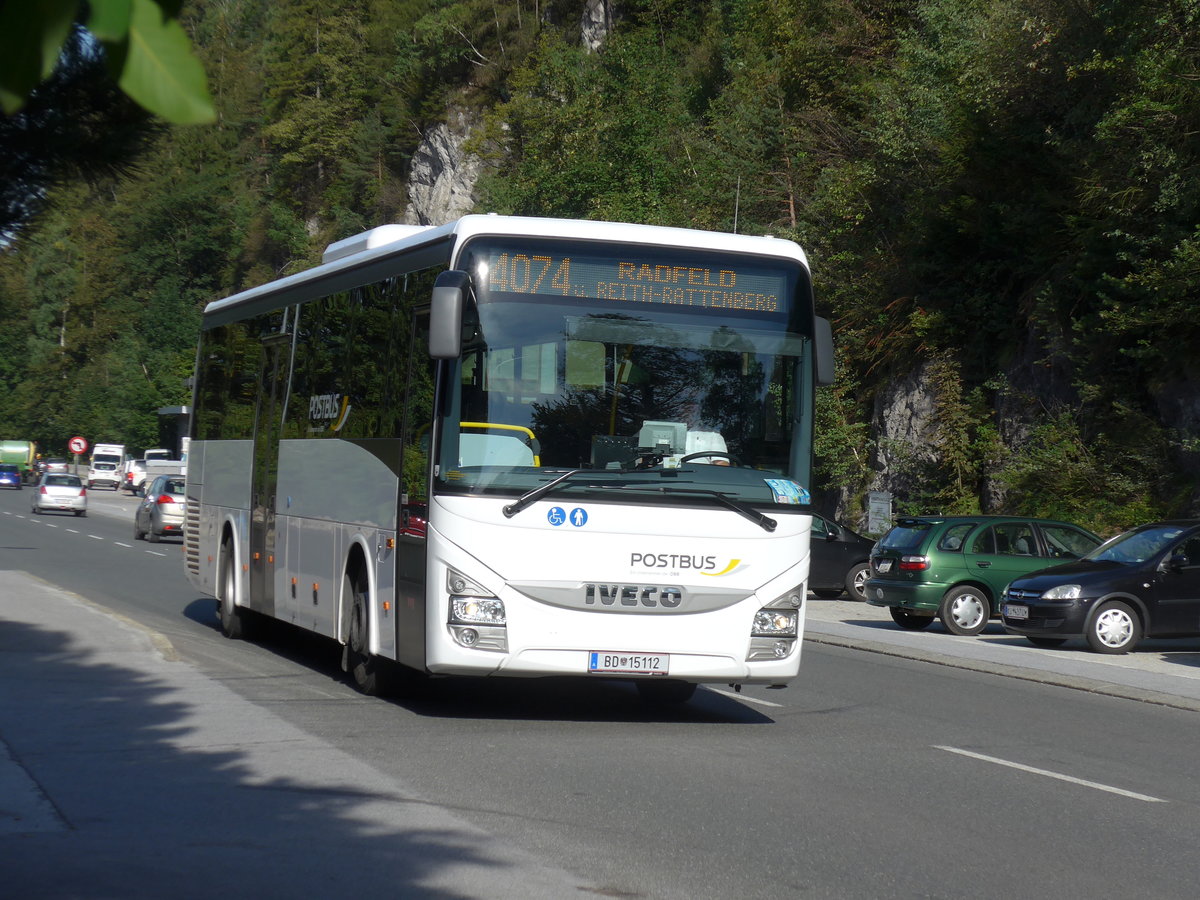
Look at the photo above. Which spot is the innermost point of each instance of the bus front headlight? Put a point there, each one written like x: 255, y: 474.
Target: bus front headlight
x: 477, y: 619
x: 477, y: 611
x: 774, y: 623
x: 774, y: 631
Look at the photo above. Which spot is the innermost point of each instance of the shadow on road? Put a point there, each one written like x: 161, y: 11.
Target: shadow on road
x: 544, y: 699
x: 155, y: 781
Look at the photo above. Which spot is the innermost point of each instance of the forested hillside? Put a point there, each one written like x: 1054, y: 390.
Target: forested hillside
x: 1000, y: 200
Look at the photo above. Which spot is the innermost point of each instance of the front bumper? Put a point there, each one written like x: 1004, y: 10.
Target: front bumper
x: 1066, y: 618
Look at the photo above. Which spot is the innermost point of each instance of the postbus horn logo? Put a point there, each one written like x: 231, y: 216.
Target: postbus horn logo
x: 330, y: 406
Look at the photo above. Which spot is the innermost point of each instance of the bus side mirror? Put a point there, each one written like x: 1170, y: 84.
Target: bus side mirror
x: 446, y: 314
x: 823, y: 349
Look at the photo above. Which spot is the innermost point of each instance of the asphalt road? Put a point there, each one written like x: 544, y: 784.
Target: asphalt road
x: 871, y: 776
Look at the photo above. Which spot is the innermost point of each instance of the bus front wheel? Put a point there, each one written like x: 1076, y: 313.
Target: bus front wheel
x: 368, y: 671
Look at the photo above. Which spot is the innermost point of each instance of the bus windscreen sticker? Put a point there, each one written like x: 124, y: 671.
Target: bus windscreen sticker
x: 788, y: 491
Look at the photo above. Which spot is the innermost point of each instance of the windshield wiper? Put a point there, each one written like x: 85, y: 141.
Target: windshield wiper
x: 541, y: 491
x: 766, y: 523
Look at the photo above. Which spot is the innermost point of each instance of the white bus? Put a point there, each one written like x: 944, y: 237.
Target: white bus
x: 517, y: 447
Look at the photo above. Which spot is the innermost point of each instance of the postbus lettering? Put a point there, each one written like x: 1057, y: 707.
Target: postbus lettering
x: 672, y: 561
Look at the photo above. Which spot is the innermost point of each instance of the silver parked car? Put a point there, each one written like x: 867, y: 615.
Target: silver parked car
x: 62, y: 492
x: 161, y: 510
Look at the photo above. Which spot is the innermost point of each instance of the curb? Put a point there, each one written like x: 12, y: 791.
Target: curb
x: 1087, y: 685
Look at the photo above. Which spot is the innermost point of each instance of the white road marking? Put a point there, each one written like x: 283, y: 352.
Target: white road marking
x: 95, y: 537
x: 49, y: 524
x: 748, y: 699
x: 119, y: 544
x: 1092, y: 784
x: 72, y: 530
x: 155, y: 553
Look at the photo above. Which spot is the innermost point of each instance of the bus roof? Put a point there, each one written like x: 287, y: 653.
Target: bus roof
x: 366, y: 257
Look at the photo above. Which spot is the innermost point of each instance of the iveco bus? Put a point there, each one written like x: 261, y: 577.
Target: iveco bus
x: 517, y: 447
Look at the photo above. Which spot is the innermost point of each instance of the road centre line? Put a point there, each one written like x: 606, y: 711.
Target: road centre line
x: 119, y: 544
x: 95, y: 537
x: 1069, y: 778
x: 73, y: 531
x: 152, y: 552
x: 735, y: 696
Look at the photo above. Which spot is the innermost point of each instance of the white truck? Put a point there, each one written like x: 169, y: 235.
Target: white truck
x: 108, y: 461
x: 159, y: 462
x: 140, y: 472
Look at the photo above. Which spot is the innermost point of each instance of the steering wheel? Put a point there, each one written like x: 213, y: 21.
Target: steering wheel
x: 710, y: 453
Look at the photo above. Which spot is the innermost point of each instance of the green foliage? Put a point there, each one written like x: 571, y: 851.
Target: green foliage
x: 148, y: 51
x: 976, y: 182
x: 841, y: 437
x: 1106, y: 482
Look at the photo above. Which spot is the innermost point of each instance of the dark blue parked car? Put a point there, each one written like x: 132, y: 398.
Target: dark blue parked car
x: 1145, y: 582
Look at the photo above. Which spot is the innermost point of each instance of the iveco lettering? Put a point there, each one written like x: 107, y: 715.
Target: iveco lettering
x: 517, y: 447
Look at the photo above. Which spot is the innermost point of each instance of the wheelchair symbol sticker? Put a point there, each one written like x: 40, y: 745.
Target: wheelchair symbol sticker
x: 579, y: 517
x: 556, y: 516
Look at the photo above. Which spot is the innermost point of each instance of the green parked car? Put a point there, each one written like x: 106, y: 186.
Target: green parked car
x: 957, y: 567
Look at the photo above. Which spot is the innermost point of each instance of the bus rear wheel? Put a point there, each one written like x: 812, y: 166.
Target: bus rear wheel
x: 235, y: 620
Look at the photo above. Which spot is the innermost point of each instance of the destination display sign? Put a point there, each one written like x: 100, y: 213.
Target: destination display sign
x: 727, y: 284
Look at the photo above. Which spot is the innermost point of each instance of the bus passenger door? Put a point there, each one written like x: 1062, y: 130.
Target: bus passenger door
x: 414, y: 500
x: 266, y: 466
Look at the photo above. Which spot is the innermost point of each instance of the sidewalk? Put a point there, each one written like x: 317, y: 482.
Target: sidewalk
x: 126, y: 773
x: 1166, y: 672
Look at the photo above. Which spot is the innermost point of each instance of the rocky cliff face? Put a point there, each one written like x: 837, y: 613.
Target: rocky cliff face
x: 904, y: 432
x: 442, y: 177
x: 596, y: 23
x: 906, y: 440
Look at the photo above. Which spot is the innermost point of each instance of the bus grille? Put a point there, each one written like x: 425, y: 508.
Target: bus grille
x: 191, y: 535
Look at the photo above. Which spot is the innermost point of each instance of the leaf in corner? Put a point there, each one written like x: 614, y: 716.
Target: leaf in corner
x: 160, y: 72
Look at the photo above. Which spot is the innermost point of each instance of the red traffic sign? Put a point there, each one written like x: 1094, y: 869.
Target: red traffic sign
x: 77, y: 445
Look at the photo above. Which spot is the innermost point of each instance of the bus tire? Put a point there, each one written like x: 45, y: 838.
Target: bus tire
x: 370, y: 673
x: 233, y: 617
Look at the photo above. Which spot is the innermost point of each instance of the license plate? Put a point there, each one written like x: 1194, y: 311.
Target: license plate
x: 884, y: 565
x: 613, y: 663
x: 1016, y: 611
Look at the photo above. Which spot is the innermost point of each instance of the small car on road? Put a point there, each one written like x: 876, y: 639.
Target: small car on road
x: 104, y: 473
x: 161, y: 510
x: 10, y: 476
x: 60, y: 492
x: 55, y: 464
x: 1144, y: 582
x: 841, y: 560
x: 956, y: 567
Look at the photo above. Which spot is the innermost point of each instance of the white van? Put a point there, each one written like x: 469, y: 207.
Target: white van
x: 106, y: 467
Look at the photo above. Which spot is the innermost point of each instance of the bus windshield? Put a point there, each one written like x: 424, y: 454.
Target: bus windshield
x: 650, y: 368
